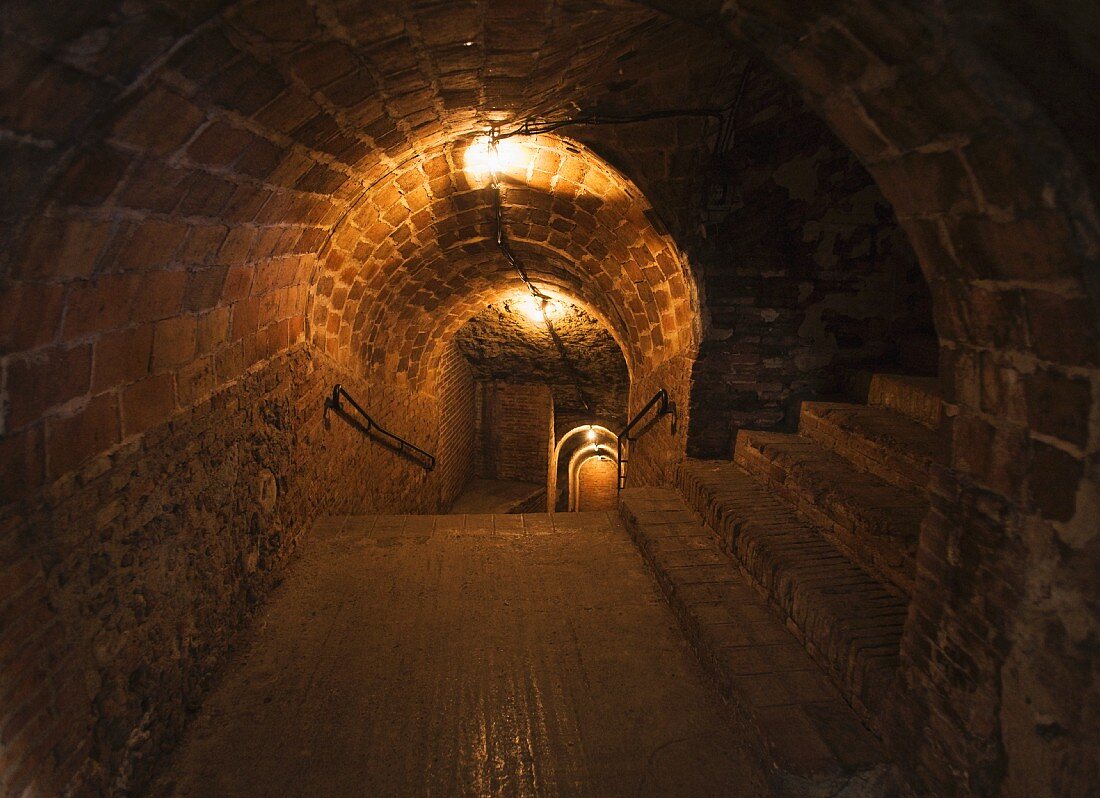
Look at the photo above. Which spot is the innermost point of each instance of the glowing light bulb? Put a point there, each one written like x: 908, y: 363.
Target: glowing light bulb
x: 487, y: 157
x: 531, y: 308
x: 534, y: 308
x: 591, y: 433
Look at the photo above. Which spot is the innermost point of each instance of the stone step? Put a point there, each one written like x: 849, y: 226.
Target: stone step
x: 881, y: 441
x: 874, y: 522
x: 915, y: 397
x: 848, y: 620
x: 807, y: 730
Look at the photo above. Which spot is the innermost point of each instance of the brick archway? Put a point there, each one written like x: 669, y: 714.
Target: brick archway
x: 593, y: 479
x: 416, y: 255
x: 570, y: 443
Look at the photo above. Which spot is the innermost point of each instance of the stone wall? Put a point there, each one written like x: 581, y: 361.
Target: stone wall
x: 596, y: 485
x: 516, y: 431
x: 125, y: 580
x: 803, y: 271
x: 457, y: 427
x: 167, y: 202
x: 90, y: 361
x: 807, y: 274
x: 962, y: 135
x: 504, y: 341
x: 653, y: 457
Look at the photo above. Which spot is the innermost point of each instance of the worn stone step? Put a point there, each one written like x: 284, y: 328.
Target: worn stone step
x: 875, y: 439
x: 876, y: 523
x: 806, y: 728
x: 917, y: 398
x: 850, y: 621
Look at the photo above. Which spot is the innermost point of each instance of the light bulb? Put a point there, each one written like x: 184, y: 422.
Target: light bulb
x: 537, y: 309
x: 591, y: 433
x: 488, y: 157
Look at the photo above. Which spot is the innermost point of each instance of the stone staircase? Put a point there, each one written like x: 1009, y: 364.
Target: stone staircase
x: 823, y: 525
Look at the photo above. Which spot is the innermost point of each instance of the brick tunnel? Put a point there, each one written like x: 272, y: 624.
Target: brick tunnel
x: 718, y: 409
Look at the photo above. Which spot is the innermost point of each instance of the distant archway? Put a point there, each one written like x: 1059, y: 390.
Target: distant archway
x: 577, y: 439
x: 590, y: 489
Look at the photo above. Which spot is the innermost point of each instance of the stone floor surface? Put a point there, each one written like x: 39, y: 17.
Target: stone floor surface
x: 465, y: 655
x: 494, y: 496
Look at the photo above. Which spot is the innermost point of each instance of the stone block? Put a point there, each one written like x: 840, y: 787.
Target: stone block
x: 76, y: 438
x: 32, y: 315
x: 22, y: 463
x: 159, y: 296
x: 204, y: 288
x: 99, y: 305
x: 173, y: 342
x: 1035, y: 247
x: 211, y: 330
x: 159, y: 122
x: 923, y: 184
x: 62, y: 249
x: 93, y: 176
x: 148, y: 403
x: 1053, y: 481
x: 45, y: 379
x: 122, y: 357
x: 1059, y: 405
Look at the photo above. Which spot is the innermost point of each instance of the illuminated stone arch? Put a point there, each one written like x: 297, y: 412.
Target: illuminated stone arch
x: 416, y: 257
x: 603, y: 436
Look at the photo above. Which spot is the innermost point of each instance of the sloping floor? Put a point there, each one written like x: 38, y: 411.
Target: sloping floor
x: 495, y: 496
x: 480, y: 655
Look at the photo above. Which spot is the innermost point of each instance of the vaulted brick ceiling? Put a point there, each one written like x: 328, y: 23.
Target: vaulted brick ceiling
x: 285, y: 152
x: 417, y: 257
x: 180, y: 178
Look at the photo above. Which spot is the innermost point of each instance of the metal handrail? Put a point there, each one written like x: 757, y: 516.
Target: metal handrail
x: 667, y: 408
x: 394, y: 442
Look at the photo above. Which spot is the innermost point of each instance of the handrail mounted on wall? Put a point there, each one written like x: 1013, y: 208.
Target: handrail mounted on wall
x: 665, y: 407
x: 372, y: 429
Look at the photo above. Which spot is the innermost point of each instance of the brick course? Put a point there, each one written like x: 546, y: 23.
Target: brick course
x: 515, y: 431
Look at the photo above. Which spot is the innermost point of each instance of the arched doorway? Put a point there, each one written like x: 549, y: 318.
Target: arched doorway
x: 580, y: 439
x: 594, y: 480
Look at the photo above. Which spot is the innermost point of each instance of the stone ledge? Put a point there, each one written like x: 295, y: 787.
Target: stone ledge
x: 915, y: 397
x: 875, y: 439
x: 810, y: 735
x: 874, y: 522
x: 848, y: 621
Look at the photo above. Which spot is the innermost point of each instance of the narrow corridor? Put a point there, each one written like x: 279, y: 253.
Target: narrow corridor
x: 506, y: 655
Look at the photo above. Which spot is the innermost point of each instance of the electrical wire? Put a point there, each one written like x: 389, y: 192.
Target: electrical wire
x: 532, y: 127
x: 541, y: 299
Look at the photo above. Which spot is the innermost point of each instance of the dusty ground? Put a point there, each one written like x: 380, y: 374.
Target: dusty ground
x: 465, y: 655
